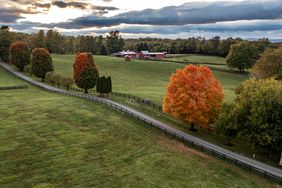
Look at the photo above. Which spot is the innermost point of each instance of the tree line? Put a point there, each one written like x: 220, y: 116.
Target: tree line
x: 57, y: 43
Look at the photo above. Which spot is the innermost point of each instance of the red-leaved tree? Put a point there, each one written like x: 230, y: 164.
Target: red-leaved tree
x: 19, y: 55
x: 85, y: 73
x: 194, y: 95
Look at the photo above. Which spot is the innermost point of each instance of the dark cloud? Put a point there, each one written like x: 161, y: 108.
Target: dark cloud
x: 82, y: 5
x: 188, y: 13
x: 9, y: 15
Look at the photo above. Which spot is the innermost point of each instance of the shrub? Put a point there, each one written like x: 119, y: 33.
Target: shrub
x: 57, y: 79
x: 28, y: 69
x: 193, y: 95
x: 104, y: 85
x: 19, y: 55
x: 127, y: 58
x: 41, y: 62
x: 269, y: 65
x: 85, y: 73
x: 242, y: 55
x: 67, y: 82
x: 48, y: 76
x: 5, y: 41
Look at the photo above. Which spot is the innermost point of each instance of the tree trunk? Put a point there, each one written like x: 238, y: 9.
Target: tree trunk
x: 280, y: 159
x: 85, y: 91
x: 192, y: 128
x: 42, y: 79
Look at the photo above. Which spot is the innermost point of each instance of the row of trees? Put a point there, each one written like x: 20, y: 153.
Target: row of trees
x: 264, y: 61
x: 194, y: 45
x: 54, y: 42
x: 85, y: 72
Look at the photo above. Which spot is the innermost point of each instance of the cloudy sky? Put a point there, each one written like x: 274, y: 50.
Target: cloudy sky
x: 147, y: 18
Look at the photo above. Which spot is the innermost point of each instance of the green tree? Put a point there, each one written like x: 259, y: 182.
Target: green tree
x: 5, y: 42
x: 40, y: 39
x: 242, y: 56
x: 256, y: 115
x: 99, y: 86
x: 104, y: 50
x: 41, y: 62
x: 269, y: 65
x: 50, y: 43
x: 115, y: 42
x: 225, y: 123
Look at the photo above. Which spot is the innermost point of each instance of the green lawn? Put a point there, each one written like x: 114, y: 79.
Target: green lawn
x: 50, y: 140
x: 143, y: 78
x: 7, y: 80
x: 200, y: 58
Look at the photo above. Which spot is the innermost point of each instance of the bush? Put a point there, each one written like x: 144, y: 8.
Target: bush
x: 242, y: 56
x: 5, y: 42
x: 19, y: 55
x: 57, y: 79
x: 193, y: 95
x: 85, y: 73
x: 41, y: 62
x: 67, y: 82
x: 104, y: 85
x: 269, y: 65
x: 28, y: 69
x: 48, y: 76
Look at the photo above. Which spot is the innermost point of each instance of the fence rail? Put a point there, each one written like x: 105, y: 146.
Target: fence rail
x: 139, y: 100
x: 267, y: 171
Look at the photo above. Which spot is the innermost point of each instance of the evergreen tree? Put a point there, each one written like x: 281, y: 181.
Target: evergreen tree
x: 40, y: 39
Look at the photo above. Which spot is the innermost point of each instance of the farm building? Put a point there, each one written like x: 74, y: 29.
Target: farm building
x: 132, y: 55
x: 152, y: 55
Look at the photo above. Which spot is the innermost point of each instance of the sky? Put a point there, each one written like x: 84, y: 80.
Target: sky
x: 147, y: 18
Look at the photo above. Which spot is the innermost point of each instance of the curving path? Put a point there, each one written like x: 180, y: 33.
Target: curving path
x: 253, y: 165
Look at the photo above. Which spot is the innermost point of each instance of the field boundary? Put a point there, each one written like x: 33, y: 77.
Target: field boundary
x: 272, y: 173
x: 202, y: 63
x: 14, y: 87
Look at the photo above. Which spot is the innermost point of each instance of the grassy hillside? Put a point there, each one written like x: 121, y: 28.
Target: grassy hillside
x: 200, y: 58
x: 7, y: 80
x: 50, y: 140
x: 143, y: 78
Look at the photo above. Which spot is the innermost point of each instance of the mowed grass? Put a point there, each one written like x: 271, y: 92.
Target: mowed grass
x: 143, y: 78
x: 6, y: 79
x: 200, y: 58
x: 50, y: 140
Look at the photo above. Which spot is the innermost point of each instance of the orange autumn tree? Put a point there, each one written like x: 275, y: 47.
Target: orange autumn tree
x: 194, y: 95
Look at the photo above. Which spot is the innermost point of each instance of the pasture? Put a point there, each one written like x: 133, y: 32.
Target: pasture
x: 198, y: 58
x: 147, y: 79
x: 50, y: 140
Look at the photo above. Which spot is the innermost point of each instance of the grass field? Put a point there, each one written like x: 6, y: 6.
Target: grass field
x: 200, y: 58
x: 143, y: 78
x: 50, y: 140
x: 6, y: 80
